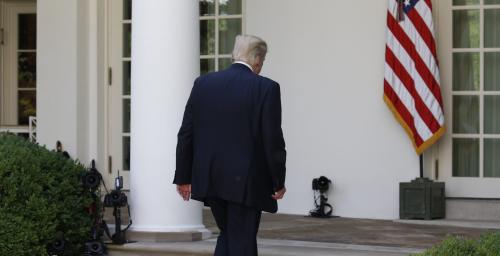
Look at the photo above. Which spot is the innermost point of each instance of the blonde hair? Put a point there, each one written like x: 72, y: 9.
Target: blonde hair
x: 249, y: 49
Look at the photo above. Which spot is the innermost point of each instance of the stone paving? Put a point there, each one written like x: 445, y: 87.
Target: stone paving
x: 353, y: 231
x: 293, y: 235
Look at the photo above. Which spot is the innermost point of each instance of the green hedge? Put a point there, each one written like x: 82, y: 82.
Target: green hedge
x: 487, y: 245
x: 40, y: 197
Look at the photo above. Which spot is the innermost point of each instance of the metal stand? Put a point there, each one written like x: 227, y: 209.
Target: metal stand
x: 422, y: 165
x: 323, y: 209
x: 119, y: 235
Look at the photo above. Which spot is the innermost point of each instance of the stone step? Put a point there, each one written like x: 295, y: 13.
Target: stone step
x: 473, y: 209
x: 267, y: 247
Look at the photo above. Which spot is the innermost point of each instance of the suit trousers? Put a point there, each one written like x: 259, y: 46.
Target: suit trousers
x: 238, y: 225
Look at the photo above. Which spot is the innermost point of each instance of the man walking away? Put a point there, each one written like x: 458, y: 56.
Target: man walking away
x: 231, y: 152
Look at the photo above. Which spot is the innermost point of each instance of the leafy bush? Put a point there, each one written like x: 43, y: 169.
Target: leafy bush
x: 487, y: 245
x: 41, y: 197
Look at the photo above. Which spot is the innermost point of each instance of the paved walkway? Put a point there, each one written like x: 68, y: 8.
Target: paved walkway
x: 293, y: 235
x: 267, y: 247
x: 356, y: 231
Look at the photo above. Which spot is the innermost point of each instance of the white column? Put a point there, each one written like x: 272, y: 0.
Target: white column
x: 57, y: 74
x: 165, y: 62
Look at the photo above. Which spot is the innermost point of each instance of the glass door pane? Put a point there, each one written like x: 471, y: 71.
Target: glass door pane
x: 465, y: 157
x: 465, y: 28
x: 492, y: 158
x: 27, y: 31
x: 229, y: 7
x: 207, y: 37
x: 26, y: 70
x: 492, y: 71
x: 465, y: 114
x: 492, y: 114
x: 207, y: 7
x: 228, y: 30
x: 492, y: 28
x: 491, y: 1
x: 465, y: 2
x: 26, y: 106
x: 466, y: 71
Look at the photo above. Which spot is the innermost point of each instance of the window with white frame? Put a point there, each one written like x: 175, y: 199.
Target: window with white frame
x: 220, y: 22
x: 476, y: 88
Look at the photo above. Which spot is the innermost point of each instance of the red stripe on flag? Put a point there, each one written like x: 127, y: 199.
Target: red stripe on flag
x: 403, y: 112
x: 423, y: 30
x: 421, y: 67
x: 409, y: 83
x: 429, y: 3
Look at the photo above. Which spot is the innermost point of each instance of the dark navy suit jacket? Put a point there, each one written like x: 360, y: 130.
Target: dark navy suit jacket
x: 230, y: 144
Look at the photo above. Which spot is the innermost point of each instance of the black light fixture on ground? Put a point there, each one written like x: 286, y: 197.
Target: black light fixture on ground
x: 323, y: 209
x: 92, y: 180
x: 58, y: 246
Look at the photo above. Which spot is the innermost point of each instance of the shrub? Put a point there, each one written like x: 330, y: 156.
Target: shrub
x: 487, y: 245
x: 40, y: 198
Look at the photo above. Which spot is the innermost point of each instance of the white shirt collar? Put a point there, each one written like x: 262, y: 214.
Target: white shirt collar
x: 244, y: 63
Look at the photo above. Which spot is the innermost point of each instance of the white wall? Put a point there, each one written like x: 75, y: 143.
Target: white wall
x: 328, y: 57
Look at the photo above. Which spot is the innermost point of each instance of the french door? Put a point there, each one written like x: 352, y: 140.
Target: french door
x: 17, y: 64
x: 119, y: 53
x: 469, y: 46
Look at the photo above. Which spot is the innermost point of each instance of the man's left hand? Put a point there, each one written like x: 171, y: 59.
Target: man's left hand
x: 279, y: 194
x: 184, y: 191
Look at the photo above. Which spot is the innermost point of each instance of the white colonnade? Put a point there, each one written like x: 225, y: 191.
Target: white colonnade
x: 165, y: 62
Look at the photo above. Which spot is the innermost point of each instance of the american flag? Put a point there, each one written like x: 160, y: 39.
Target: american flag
x: 411, y: 81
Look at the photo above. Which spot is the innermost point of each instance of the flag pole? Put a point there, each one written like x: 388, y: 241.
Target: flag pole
x: 422, y: 165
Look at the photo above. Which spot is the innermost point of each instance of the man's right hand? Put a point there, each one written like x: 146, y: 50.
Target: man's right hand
x: 279, y: 194
x: 184, y: 191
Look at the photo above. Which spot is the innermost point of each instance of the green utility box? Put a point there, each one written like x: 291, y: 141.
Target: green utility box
x: 421, y: 198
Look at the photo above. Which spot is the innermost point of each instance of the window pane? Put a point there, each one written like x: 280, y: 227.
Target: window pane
x: 207, y: 37
x: 492, y: 71
x: 491, y: 157
x: 225, y: 63
x: 466, y: 29
x: 492, y: 28
x: 207, y: 7
x: 126, y: 77
x: 465, y: 157
x: 465, y: 71
x: 491, y: 1
x: 492, y: 114
x: 126, y: 115
x: 126, y: 153
x: 229, y: 7
x: 228, y: 30
x: 465, y: 2
x: 207, y: 65
x: 26, y: 106
x: 127, y: 40
x: 27, y: 31
x: 127, y: 9
x: 26, y: 70
x: 466, y: 114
